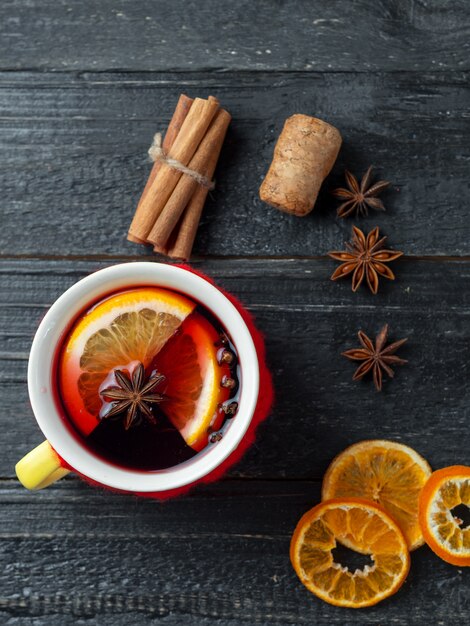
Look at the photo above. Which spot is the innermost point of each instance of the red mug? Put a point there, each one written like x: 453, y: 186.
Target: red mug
x: 63, y: 452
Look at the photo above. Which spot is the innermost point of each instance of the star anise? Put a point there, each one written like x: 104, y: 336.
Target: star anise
x: 376, y: 357
x: 132, y: 395
x: 360, y: 197
x: 366, y: 258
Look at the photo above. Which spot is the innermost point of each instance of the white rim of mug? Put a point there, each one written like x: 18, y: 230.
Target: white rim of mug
x: 41, y: 373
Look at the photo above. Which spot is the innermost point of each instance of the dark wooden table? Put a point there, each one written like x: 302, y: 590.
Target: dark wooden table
x: 83, y: 87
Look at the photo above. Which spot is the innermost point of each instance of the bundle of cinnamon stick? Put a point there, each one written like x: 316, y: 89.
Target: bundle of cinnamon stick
x: 171, y: 204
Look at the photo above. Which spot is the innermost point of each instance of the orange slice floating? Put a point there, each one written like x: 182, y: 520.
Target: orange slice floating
x: 193, y: 393
x: 129, y: 326
x: 137, y: 325
x: 364, y: 527
x: 444, y: 532
x: 386, y: 472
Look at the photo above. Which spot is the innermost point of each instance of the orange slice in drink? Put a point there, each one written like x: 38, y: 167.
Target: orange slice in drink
x: 364, y: 527
x: 194, y: 392
x: 386, y: 472
x: 445, y: 496
x: 132, y: 325
x: 161, y: 329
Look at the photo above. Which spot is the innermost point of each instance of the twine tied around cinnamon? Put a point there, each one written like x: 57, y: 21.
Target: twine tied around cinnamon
x: 157, y: 153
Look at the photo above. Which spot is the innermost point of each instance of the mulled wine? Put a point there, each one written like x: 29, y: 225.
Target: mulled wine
x: 147, y: 378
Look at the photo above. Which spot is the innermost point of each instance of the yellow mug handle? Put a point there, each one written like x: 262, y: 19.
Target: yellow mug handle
x: 40, y: 468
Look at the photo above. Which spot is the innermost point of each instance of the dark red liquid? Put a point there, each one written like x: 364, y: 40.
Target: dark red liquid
x: 143, y: 447
x: 151, y: 447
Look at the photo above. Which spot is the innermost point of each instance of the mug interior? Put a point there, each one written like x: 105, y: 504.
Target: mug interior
x: 41, y: 374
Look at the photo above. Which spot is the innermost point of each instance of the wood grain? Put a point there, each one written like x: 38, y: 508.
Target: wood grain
x: 77, y: 155
x: 308, y: 322
x: 66, y: 557
x: 188, y: 35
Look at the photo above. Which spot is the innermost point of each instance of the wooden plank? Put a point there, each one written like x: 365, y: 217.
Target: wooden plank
x: 73, y: 155
x: 308, y: 322
x: 153, y: 520
x: 63, y: 556
x: 157, y: 35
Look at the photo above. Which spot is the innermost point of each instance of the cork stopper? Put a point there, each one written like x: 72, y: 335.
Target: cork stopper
x: 305, y: 152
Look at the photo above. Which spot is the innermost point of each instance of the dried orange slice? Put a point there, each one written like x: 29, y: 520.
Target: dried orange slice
x: 193, y: 393
x: 132, y: 325
x: 386, y: 472
x: 444, y: 494
x: 366, y: 528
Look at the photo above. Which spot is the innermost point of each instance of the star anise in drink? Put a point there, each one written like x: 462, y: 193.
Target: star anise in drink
x: 376, y: 357
x: 365, y: 258
x: 360, y: 197
x: 132, y: 396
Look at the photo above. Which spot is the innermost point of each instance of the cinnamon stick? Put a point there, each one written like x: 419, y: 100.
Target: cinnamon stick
x: 179, y: 115
x: 187, y: 228
x: 192, y: 131
x: 203, y: 162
